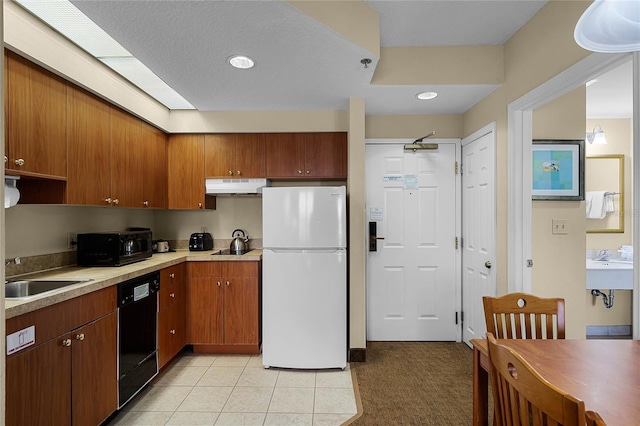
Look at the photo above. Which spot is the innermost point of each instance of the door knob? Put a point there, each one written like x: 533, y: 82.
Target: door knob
x: 487, y: 264
x: 19, y: 162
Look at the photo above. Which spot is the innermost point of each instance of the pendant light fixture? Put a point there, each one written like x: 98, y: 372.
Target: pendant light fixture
x: 610, y: 26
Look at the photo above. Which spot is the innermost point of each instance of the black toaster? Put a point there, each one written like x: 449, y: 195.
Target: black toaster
x: 200, y: 241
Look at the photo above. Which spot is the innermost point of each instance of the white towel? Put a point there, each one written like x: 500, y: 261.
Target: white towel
x: 596, y: 208
x: 608, y: 203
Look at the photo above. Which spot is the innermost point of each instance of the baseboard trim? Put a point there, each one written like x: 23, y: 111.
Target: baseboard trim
x: 358, y: 355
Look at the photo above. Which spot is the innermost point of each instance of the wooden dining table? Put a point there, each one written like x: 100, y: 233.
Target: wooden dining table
x: 605, y: 374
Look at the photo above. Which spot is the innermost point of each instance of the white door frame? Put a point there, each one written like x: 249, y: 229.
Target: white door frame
x: 519, y: 165
x: 458, y: 213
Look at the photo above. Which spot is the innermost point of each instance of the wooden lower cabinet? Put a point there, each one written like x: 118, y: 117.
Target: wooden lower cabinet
x: 224, y: 306
x: 66, y: 378
x: 172, y: 316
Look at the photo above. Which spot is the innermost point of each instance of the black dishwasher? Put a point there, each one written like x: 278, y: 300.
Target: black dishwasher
x: 137, y: 334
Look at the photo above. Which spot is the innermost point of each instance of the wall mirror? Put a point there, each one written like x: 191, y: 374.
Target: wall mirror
x: 604, y: 188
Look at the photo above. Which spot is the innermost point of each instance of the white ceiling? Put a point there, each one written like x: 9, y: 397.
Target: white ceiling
x: 301, y: 63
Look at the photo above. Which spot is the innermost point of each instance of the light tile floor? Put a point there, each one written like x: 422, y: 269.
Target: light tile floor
x: 237, y: 390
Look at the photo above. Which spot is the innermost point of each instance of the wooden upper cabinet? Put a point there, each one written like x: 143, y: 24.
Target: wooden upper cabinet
x: 326, y: 155
x: 185, y: 160
x: 235, y: 155
x: 154, y: 181
x: 307, y: 155
x: 127, y: 160
x: 37, y: 129
x: 285, y: 155
x: 89, y: 149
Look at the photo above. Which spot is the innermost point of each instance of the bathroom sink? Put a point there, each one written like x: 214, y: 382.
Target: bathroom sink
x: 609, y: 275
x: 24, y: 289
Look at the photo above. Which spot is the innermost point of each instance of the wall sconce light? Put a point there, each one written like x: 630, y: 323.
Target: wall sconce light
x: 597, y: 136
x: 609, y: 26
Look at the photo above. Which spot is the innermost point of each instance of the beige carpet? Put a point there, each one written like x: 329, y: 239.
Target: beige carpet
x: 415, y: 383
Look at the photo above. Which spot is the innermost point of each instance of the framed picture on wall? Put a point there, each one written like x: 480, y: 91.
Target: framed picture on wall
x: 557, y: 168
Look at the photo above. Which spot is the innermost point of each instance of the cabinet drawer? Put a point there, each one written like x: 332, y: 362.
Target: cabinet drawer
x: 249, y: 269
x: 172, y: 285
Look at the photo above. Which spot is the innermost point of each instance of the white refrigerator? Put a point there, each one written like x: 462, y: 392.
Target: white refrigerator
x: 304, y: 277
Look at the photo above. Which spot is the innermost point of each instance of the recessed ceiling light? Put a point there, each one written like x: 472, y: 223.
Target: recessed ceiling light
x: 426, y: 95
x: 242, y: 62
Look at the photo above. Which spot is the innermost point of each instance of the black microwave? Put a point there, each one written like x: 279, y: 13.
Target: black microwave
x: 116, y: 248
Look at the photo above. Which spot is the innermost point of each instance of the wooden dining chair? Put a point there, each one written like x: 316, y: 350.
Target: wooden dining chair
x: 594, y: 419
x: 523, y: 397
x: 524, y: 316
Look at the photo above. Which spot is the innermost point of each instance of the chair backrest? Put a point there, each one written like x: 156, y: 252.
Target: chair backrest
x: 522, y: 397
x: 524, y: 316
x: 594, y: 419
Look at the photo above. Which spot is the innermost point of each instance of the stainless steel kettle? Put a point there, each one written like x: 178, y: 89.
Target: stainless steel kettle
x: 239, y: 242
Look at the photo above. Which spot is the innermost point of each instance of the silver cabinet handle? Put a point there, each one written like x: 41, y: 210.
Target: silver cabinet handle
x: 172, y: 295
x: 80, y: 336
x: 5, y: 159
x: 145, y: 203
x: 116, y: 201
x: 228, y: 283
x: 238, y: 172
x: 218, y: 283
x: 19, y: 162
x: 66, y: 342
x: 172, y: 275
x: 487, y: 264
x: 108, y: 200
x: 230, y: 173
x: 308, y: 171
x: 299, y: 172
x: 199, y: 205
x: 172, y: 331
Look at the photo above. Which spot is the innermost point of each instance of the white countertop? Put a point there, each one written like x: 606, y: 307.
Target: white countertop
x: 102, y: 277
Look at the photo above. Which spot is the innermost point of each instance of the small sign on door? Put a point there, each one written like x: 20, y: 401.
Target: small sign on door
x: 376, y: 214
x: 21, y: 339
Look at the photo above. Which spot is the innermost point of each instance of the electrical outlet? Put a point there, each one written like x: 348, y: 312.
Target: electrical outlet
x: 72, y: 240
x: 559, y: 226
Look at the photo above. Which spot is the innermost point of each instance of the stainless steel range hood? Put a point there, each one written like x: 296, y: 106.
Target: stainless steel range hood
x: 235, y: 186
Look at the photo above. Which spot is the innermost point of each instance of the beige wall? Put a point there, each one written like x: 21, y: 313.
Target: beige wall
x: 559, y: 260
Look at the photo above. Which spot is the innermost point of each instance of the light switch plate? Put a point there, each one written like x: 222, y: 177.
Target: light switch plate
x: 559, y: 226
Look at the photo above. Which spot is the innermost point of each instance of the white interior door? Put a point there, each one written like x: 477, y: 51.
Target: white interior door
x: 413, y: 286
x: 478, y: 229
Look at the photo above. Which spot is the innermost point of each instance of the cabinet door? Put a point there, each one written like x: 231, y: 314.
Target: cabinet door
x: 284, y: 155
x: 89, y: 149
x: 126, y: 160
x: 185, y: 159
x: 37, y: 120
x: 172, y: 333
x: 241, y: 311
x: 206, y: 311
x: 154, y: 181
x: 94, y: 371
x: 38, y: 385
x: 220, y: 155
x: 326, y: 155
x: 250, y: 155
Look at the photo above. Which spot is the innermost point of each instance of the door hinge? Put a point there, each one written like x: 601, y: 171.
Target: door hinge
x: 456, y: 243
x: 456, y: 167
x: 462, y: 316
x: 456, y: 318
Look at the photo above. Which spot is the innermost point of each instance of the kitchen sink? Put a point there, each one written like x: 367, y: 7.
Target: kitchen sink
x: 23, y: 289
